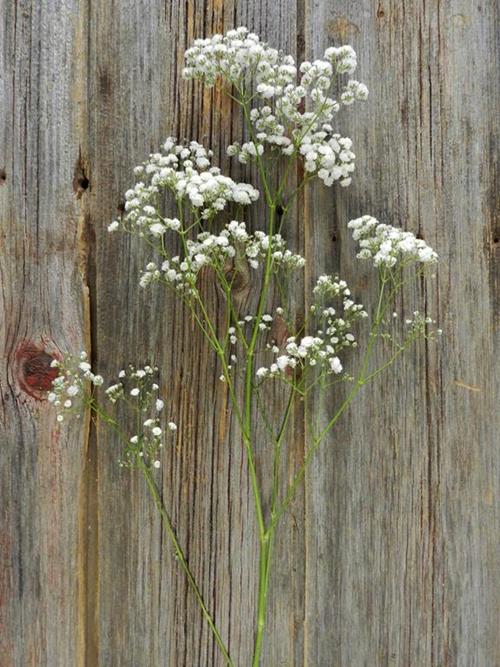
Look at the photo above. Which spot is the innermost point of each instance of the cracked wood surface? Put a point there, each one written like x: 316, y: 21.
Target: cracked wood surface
x: 390, y: 555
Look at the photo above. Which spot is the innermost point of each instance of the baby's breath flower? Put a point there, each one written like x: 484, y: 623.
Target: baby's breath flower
x: 333, y: 333
x: 73, y: 376
x: 185, y: 171
x: 297, y: 107
x: 389, y: 246
x: 232, y: 243
x: 70, y: 392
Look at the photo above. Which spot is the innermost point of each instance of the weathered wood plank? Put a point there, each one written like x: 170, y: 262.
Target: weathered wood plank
x: 138, y: 99
x: 406, y: 494
x: 43, y: 306
x: 392, y: 556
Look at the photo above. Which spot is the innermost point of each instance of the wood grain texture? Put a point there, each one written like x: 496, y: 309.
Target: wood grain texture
x: 205, y: 479
x: 43, y: 309
x: 406, y: 495
x: 390, y: 555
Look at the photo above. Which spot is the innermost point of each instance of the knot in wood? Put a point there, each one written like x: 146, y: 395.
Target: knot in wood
x: 237, y: 274
x: 34, y: 371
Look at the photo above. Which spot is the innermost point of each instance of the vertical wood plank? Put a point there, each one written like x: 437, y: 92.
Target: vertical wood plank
x: 137, y: 100
x: 403, y: 567
x: 43, y: 297
x: 391, y: 557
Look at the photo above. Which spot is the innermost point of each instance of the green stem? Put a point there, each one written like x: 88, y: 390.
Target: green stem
x: 167, y: 522
x: 155, y: 494
x: 264, y: 569
x: 266, y: 541
x: 249, y: 374
x: 359, y: 382
x: 277, y: 450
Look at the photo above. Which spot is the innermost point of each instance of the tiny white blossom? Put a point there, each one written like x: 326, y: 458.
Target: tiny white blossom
x: 389, y: 246
x: 335, y: 365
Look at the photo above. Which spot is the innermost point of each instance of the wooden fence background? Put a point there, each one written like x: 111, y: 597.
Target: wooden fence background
x: 390, y: 555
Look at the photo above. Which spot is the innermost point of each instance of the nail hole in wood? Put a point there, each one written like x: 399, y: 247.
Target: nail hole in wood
x: 3, y: 176
x: 81, y: 182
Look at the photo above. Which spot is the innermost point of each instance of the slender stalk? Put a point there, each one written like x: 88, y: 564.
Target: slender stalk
x: 264, y: 536
x: 167, y: 522
x: 359, y: 382
x: 277, y: 450
x: 266, y: 541
x: 264, y: 569
x: 249, y: 373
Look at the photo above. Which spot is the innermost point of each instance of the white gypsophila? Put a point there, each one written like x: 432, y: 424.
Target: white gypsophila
x: 215, y: 250
x: 139, y: 384
x: 298, y: 107
x: 419, y: 326
x: 70, y: 394
x: 388, y: 246
x: 69, y: 385
x: 354, y: 91
x: 186, y: 172
x: 332, y: 335
x: 329, y: 156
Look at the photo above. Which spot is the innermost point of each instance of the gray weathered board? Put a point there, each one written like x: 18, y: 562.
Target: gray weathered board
x: 390, y: 555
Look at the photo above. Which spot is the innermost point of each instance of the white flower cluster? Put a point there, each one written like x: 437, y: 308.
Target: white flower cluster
x: 296, y: 118
x: 418, y: 326
x: 215, y: 250
x: 138, y: 386
x: 186, y: 171
x: 69, y: 394
x: 354, y: 91
x: 68, y: 387
x: 332, y: 336
x: 388, y: 246
x: 232, y: 55
x: 329, y: 156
